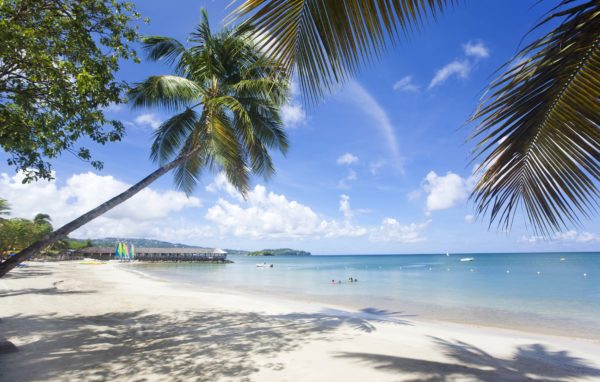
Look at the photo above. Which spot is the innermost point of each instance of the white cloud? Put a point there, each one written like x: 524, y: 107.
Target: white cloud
x: 454, y: 68
x: 476, y: 49
x: 579, y: 237
x: 446, y: 191
x: 149, y: 119
x: 347, y: 158
x: 571, y: 236
x: 375, y: 166
x: 113, y: 107
x: 220, y: 184
x: 391, y: 230
x: 267, y: 215
x: 470, y: 219
x: 343, y: 183
x: 406, y: 85
x: 293, y: 115
x: 143, y: 215
x: 360, y: 97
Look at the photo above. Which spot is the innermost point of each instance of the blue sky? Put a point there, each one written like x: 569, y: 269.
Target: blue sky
x: 382, y: 166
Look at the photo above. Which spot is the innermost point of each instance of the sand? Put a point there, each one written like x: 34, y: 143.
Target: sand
x: 74, y: 322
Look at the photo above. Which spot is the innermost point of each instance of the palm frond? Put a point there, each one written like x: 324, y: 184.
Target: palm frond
x: 171, y: 135
x: 163, y: 48
x: 169, y: 92
x: 539, y: 127
x: 328, y: 41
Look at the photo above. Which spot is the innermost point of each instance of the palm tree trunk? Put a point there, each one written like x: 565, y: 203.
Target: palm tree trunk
x: 63, y: 231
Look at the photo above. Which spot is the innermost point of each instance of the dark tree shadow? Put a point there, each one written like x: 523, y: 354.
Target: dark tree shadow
x: 530, y: 362
x: 199, y: 346
x: 44, y: 291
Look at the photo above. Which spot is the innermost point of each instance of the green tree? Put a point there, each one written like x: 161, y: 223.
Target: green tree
x: 42, y: 219
x: 227, y: 96
x: 543, y: 113
x: 4, y: 208
x: 17, y: 233
x: 57, y: 64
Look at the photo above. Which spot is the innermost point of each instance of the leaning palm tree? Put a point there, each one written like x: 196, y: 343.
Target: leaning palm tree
x: 539, y: 141
x: 226, y: 98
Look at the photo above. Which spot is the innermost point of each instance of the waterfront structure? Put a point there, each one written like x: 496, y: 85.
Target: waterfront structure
x: 159, y: 254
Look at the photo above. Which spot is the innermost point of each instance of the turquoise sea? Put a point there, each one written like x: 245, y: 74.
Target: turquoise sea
x: 531, y: 291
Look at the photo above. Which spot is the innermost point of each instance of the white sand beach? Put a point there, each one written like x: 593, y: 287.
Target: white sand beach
x: 73, y: 321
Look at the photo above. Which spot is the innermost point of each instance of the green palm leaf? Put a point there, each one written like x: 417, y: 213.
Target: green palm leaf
x: 171, y: 135
x: 538, y: 129
x: 327, y: 41
x: 169, y: 92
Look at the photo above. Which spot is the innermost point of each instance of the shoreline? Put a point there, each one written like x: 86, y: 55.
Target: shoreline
x: 76, y: 321
x: 474, y: 316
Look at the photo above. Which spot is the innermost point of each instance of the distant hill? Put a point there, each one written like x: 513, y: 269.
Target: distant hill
x: 148, y: 243
x: 279, y: 252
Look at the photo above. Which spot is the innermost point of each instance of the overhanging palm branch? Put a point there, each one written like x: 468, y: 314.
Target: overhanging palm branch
x: 326, y: 41
x: 4, y: 207
x: 539, y: 127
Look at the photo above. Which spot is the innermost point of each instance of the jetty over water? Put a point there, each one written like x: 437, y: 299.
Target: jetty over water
x: 159, y: 254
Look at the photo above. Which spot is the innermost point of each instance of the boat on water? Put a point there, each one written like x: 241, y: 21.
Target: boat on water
x: 264, y: 265
x: 447, y: 253
x: 464, y: 259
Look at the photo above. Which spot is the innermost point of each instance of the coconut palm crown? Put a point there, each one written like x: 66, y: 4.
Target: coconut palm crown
x: 227, y: 96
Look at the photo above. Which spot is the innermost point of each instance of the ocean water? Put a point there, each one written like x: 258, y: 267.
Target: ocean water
x: 534, y: 291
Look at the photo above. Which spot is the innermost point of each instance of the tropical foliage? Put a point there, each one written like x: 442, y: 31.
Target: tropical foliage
x: 537, y: 128
x: 57, y: 64
x: 227, y: 96
x: 17, y: 233
x: 326, y: 42
x: 4, y: 208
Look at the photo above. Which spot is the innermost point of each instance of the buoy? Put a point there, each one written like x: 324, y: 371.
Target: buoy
x: 539, y: 273
x: 507, y: 271
x: 472, y: 270
x: 585, y: 275
x: 429, y: 268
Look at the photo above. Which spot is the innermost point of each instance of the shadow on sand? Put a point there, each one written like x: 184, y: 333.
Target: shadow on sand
x: 468, y: 362
x: 199, y: 346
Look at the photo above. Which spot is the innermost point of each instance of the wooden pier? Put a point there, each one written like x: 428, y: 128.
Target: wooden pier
x: 160, y: 254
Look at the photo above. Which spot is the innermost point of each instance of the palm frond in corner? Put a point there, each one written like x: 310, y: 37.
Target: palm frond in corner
x: 538, y: 130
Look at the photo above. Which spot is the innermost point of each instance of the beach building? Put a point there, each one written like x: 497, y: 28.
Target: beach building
x: 159, y: 254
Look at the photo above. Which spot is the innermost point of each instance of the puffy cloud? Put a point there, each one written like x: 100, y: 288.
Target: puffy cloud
x: 144, y: 214
x: 470, y: 219
x: 293, y: 115
x: 454, y: 68
x: 476, y: 49
x: 347, y: 158
x: 406, y: 85
x: 391, y: 230
x: 269, y: 215
x: 149, y: 119
x: 446, y: 191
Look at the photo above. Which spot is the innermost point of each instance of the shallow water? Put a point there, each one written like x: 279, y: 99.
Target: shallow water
x: 518, y: 289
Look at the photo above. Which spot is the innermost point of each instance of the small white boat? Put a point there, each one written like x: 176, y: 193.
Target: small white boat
x: 467, y: 259
x: 447, y: 254
x: 264, y: 265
